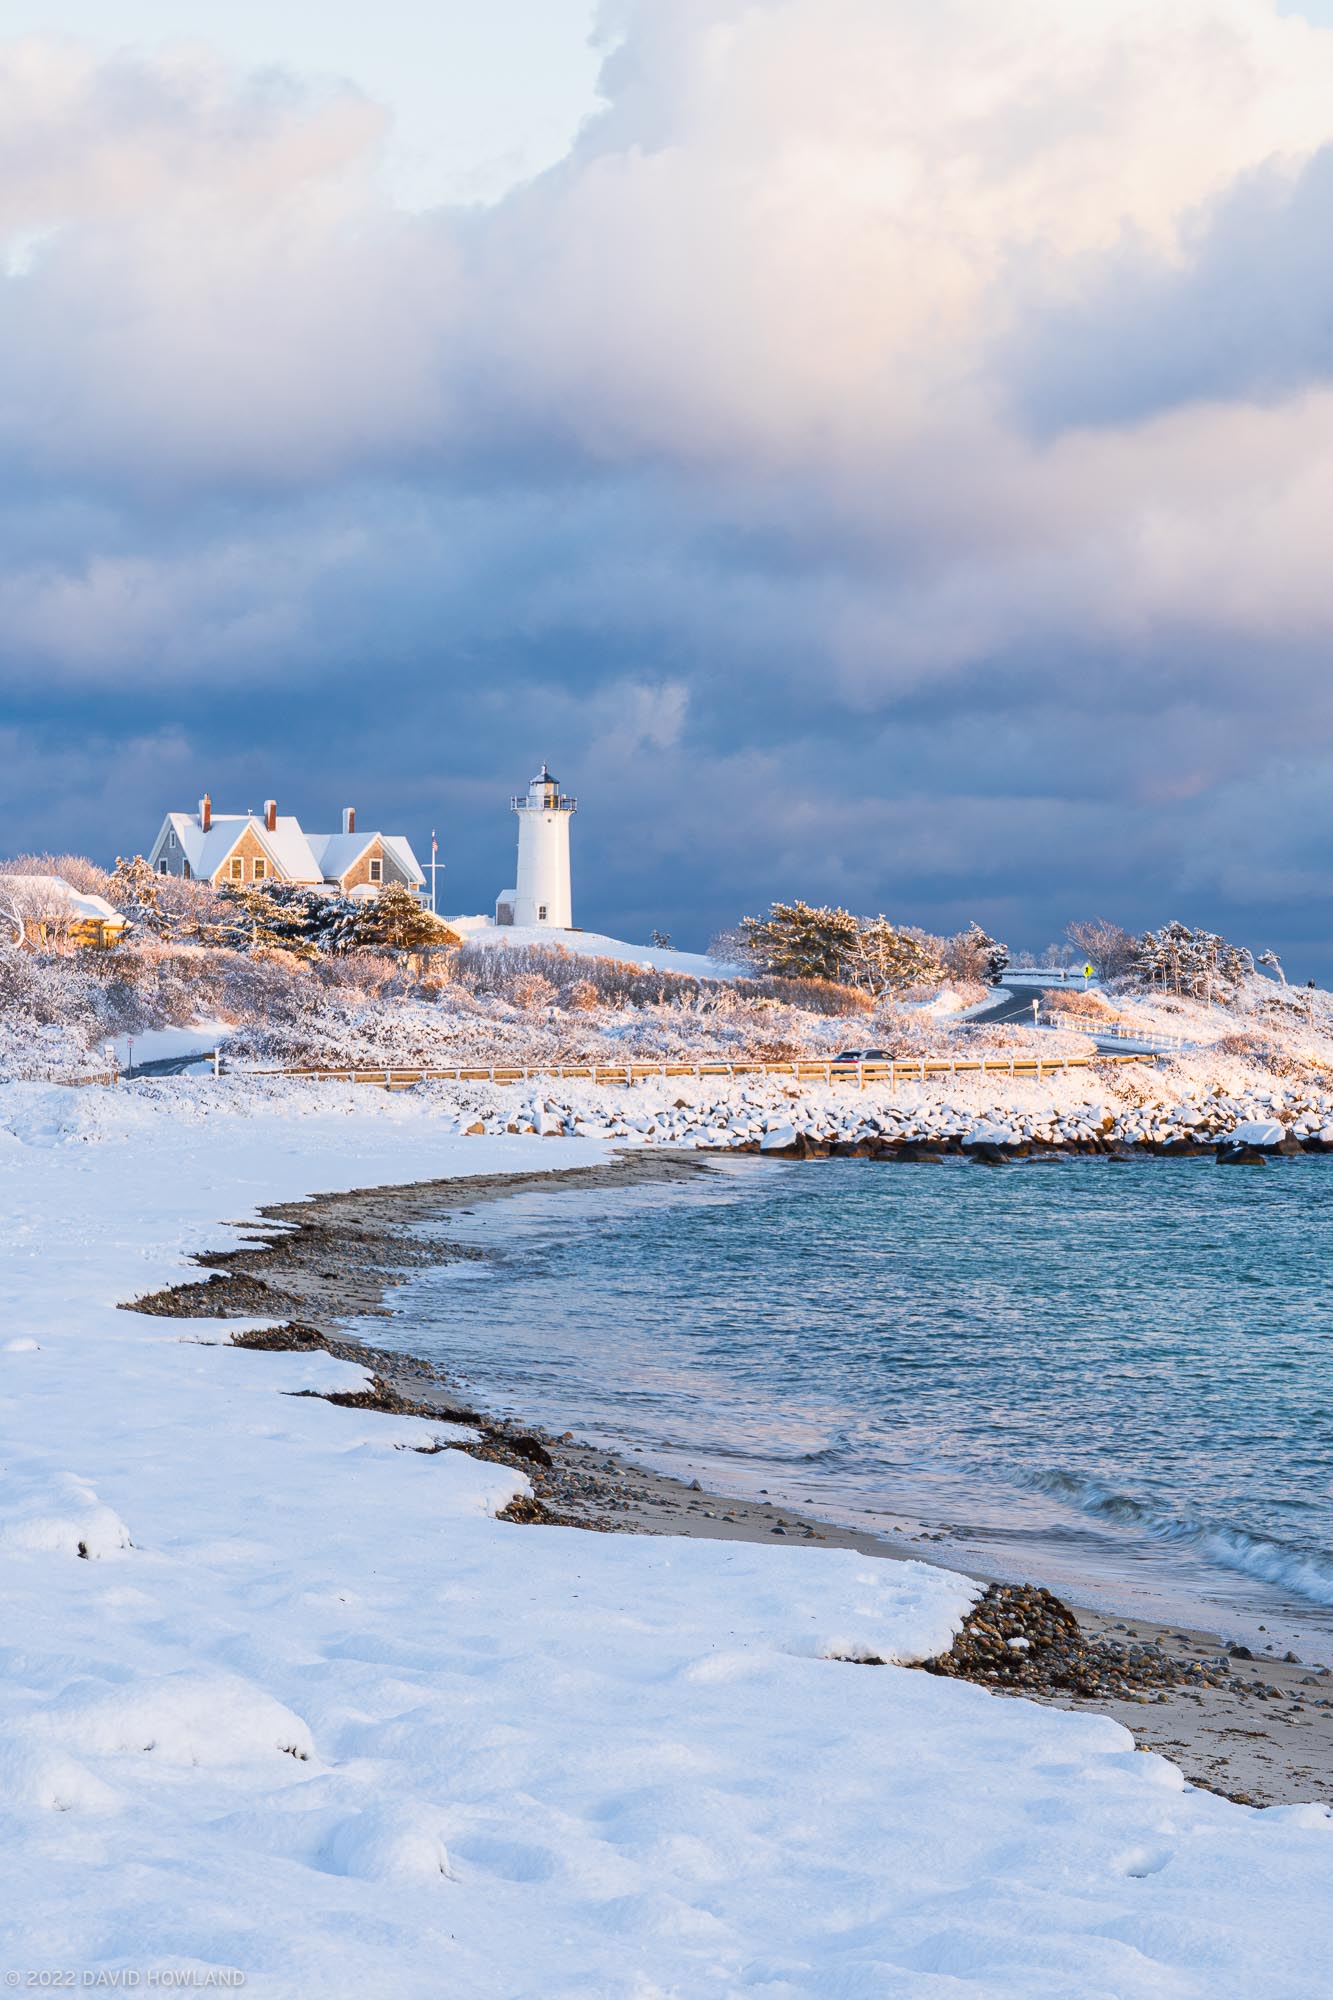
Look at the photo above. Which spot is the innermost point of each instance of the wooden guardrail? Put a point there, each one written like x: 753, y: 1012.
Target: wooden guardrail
x: 915, y: 1070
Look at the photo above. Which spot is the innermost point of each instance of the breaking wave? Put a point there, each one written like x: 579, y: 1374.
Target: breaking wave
x: 1307, y: 1575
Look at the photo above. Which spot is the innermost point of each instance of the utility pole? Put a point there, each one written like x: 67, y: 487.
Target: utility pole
x: 435, y: 867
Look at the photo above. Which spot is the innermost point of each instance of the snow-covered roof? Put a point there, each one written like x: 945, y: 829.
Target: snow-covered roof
x: 400, y: 847
x: 337, y: 852
x: 57, y: 893
x: 287, y: 846
x: 297, y: 855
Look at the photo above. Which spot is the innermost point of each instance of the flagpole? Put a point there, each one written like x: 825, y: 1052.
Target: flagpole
x: 434, y: 866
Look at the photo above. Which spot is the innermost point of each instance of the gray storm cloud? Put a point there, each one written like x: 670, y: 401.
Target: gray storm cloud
x: 897, y: 430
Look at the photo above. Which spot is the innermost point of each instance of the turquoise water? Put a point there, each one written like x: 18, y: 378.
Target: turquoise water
x: 1117, y: 1379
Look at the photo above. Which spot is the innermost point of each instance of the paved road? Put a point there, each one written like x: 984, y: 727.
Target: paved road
x: 1016, y: 1005
x: 166, y: 1065
x: 1008, y: 1006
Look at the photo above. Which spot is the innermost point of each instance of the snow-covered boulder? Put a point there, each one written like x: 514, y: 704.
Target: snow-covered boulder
x: 987, y: 1133
x: 388, y: 1842
x: 58, y: 1514
x: 1259, y: 1132
x: 182, y: 1718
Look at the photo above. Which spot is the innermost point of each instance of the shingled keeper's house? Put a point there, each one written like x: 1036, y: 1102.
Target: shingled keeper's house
x: 273, y: 847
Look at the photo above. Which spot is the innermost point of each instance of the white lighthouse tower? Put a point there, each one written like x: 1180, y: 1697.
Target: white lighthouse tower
x: 542, y: 898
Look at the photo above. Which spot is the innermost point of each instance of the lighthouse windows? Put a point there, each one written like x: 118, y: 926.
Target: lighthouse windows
x: 541, y: 913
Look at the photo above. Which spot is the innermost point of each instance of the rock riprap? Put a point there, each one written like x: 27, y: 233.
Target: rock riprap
x: 820, y: 1121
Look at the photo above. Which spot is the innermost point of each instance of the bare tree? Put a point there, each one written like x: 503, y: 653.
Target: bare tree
x: 13, y: 932
x: 42, y: 908
x: 731, y: 947
x: 975, y: 955
x: 1107, y: 947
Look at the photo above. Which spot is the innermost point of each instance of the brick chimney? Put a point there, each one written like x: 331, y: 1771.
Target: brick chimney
x: 270, y: 815
x: 349, y: 819
x: 206, y: 813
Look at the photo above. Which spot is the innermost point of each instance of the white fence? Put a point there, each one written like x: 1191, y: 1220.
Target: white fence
x: 1045, y: 975
x: 1117, y: 1031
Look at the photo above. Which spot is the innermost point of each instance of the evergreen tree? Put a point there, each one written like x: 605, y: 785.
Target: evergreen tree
x: 281, y: 916
x: 394, y: 921
x: 1201, y: 963
x: 796, y: 941
x: 135, y: 892
x: 889, y: 960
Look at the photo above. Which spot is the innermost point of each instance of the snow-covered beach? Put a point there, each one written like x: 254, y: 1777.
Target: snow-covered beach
x: 708, y: 1377
x: 532, y: 1302
x: 310, y: 1714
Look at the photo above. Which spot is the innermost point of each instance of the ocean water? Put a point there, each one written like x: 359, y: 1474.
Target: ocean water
x: 1114, y: 1379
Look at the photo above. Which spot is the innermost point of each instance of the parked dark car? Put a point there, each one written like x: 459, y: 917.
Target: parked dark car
x: 863, y: 1056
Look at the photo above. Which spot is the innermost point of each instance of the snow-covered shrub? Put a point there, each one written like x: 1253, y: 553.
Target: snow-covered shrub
x: 1261, y: 1050
x: 617, y: 983
x: 1089, y: 1006
x: 817, y: 996
x: 376, y: 974
x: 534, y: 991
x: 83, y: 875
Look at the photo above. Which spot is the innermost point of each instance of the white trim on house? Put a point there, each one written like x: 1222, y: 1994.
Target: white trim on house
x: 319, y: 860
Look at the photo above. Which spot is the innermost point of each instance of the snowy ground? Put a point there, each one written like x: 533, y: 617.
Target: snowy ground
x: 310, y: 1714
x: 591, y: 944
x: 155, y: 1044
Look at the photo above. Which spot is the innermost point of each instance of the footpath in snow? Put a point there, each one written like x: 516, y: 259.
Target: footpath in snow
x: 283, y: 1700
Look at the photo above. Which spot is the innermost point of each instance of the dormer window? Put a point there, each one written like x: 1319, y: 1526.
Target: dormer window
x: 377, y: 870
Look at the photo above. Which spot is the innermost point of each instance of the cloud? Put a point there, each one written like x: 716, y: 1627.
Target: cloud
x: 1242, y: 312
x: 898, y: 436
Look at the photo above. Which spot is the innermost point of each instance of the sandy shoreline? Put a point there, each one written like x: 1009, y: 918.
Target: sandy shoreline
x: 1266, y: 1736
